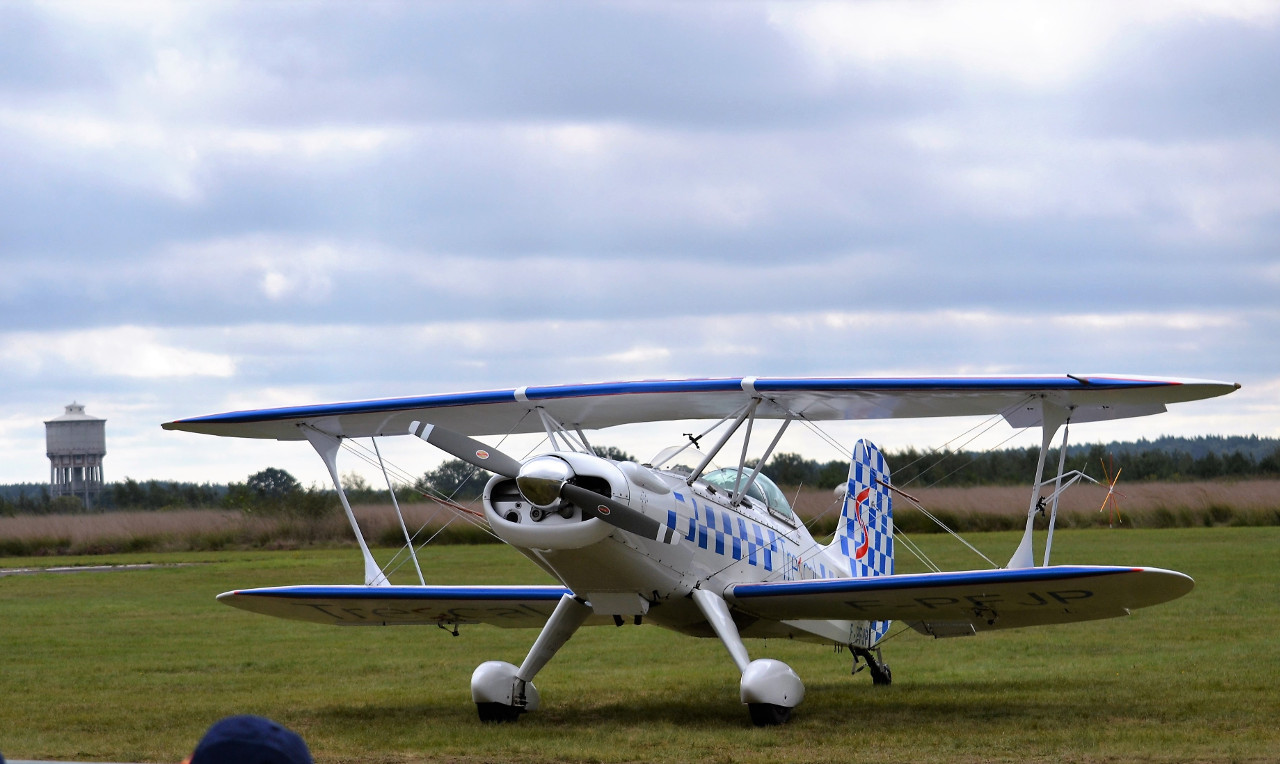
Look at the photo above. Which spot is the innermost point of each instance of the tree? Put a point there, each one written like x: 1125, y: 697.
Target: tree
x: 792, y: 469
x: 354, y: 482
x: 275, y: 492
x: 454, y: 478
x: 832, y: 474
x: 614, y: 453
x: 272, y: 483
x: 66, y: 505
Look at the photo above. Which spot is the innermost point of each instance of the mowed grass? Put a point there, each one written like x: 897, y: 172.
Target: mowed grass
x: 134, y: 665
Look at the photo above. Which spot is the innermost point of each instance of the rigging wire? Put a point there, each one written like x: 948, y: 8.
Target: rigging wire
x: 965, y: 438
x: 442, y: 501
x: 966, y: 464
x: 915, y: 550
x: 985, y: 426
x: 476, y: 519
x: 916, y: 503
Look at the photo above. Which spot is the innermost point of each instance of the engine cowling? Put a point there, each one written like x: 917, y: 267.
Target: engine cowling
x: 530, y: 512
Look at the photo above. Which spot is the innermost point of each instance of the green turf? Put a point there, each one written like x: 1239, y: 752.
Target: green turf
x: 133, y: 666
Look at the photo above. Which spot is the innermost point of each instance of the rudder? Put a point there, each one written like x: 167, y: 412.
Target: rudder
x: 864, y: 535
x: 865, y: 532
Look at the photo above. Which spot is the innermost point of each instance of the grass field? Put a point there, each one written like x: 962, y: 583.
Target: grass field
x: 134, y: 665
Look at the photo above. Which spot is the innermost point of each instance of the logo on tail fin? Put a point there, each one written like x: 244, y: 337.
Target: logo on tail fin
x: 861, y: 551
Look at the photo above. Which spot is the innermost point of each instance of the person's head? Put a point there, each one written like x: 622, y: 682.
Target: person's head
x: 250, y: 740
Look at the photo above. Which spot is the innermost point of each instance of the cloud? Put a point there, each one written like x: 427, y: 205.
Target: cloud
x: 208, y: 206
x: 1041, y: 46
x: 126, y: 351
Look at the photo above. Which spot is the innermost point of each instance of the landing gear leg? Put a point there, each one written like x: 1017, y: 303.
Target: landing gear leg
x: 880, y: 673
x: 769, y: 688
x: 501, y: 691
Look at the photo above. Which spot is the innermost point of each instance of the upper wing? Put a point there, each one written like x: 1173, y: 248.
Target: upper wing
x: 508, y: 606
x: 944, y: 603
x: 595, y: 406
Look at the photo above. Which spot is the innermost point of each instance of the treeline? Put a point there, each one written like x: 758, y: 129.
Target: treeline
x: 34, y: 499
x: 271, y: 491
x: 1166, y: 460
x: 275, y: 491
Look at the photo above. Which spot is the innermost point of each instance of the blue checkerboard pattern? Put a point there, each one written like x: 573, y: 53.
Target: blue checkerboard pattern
x: 870, y: 524
x: 730, y: 534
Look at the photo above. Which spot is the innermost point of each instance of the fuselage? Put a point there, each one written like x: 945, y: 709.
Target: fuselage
x: 630, y: 577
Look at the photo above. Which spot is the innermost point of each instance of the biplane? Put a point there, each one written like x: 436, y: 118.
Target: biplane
x: 713, y: 551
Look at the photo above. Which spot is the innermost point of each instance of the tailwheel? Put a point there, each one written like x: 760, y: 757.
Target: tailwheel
x: 768, y: 715
x: 880, y: 673
x: 498, y: 713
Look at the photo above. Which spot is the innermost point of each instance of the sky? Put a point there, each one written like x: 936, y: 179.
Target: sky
x: 216, y: 206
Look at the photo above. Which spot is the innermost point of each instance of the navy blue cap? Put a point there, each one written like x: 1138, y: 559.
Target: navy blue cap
x: 250, y: 740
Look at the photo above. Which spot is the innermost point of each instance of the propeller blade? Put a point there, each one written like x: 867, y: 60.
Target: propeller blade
x: 617, y: 514
x: 470, y: 450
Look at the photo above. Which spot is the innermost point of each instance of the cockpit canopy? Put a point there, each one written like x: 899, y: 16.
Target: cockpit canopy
x: 762, y: 490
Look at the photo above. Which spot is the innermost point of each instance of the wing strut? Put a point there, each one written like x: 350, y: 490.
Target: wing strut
x: 1057, y: 489
x: 408, y: 540
x: 742, y: 491
x: 1052, y: 416
x: 327, y: 446
x: 746, y: 414
x: 746, y: 411
x: 557, y: 432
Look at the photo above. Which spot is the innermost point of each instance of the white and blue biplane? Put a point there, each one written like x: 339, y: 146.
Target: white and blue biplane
x: 711, y: 552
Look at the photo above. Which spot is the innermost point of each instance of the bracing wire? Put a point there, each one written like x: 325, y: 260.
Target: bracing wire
x: 916, y: 503
x: 915, y: 550
x: 476, y: 519
x: 410, y: 481
x: 967, y: 437
x: 964, y: 465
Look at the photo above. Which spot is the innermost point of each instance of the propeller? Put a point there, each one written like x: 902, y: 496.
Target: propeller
x: 470, y: 450
x: 617, y: 514
x: 1110, y: 499
x: 545, y: 479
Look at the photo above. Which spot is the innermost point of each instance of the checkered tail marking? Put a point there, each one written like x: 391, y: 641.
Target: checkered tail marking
x: 865, y: 533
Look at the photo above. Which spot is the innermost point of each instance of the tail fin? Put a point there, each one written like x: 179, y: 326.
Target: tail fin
x: 865, y: 533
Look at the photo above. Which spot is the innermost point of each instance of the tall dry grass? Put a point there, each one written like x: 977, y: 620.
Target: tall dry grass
x: 212, y: 529
x: 1141, y: 505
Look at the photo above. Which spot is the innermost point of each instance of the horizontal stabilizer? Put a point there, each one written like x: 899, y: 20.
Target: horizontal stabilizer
x: 983, y: 599
x: 448, y: 606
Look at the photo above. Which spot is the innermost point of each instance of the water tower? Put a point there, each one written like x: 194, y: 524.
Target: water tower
x: 76, y: 443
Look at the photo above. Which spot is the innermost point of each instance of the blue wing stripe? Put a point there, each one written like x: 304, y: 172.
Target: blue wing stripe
x: 531, y: 593
x: 925, y: 580
x: 686, y: 386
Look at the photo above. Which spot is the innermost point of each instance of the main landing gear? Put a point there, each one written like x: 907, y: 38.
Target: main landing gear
x: 501, y: 691
x: 769, y: 688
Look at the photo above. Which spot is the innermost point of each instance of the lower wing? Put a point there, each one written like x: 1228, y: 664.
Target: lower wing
x: 950, y: 604
x: 508, y: 606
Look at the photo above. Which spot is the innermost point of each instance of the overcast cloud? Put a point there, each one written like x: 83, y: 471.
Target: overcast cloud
x: 209, y: 206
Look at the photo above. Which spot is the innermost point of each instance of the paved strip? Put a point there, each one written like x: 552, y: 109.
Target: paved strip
x: 38, y: 761
x: 86, y: 568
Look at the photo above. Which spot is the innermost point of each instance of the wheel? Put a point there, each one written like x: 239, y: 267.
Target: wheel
x: 497, y: 713
x: 768, y: 715
x: 882, y: 676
